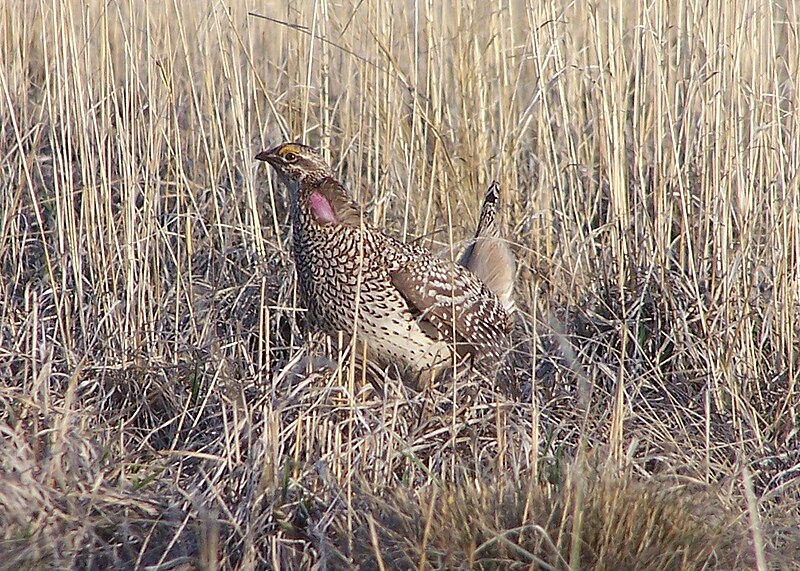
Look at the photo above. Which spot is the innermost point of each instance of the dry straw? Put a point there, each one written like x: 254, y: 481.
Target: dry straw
x: 161, y: 408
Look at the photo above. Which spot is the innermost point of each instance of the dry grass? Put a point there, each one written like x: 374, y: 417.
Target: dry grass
x: 154, y: 409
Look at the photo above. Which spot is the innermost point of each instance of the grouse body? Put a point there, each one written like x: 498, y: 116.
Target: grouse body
x: 412, y: 309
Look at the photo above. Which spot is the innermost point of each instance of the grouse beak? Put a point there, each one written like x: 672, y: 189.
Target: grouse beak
x: 269, y: 156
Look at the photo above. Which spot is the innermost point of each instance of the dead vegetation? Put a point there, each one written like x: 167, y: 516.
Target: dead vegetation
x: 161, y: 407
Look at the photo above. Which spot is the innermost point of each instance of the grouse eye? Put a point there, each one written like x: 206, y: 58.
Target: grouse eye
x: 289, y: 157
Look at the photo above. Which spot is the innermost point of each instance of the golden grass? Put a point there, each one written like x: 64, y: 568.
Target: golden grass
x: 155, y: 409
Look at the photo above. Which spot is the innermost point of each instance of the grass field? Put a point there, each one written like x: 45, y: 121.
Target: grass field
x: 157, y: 407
